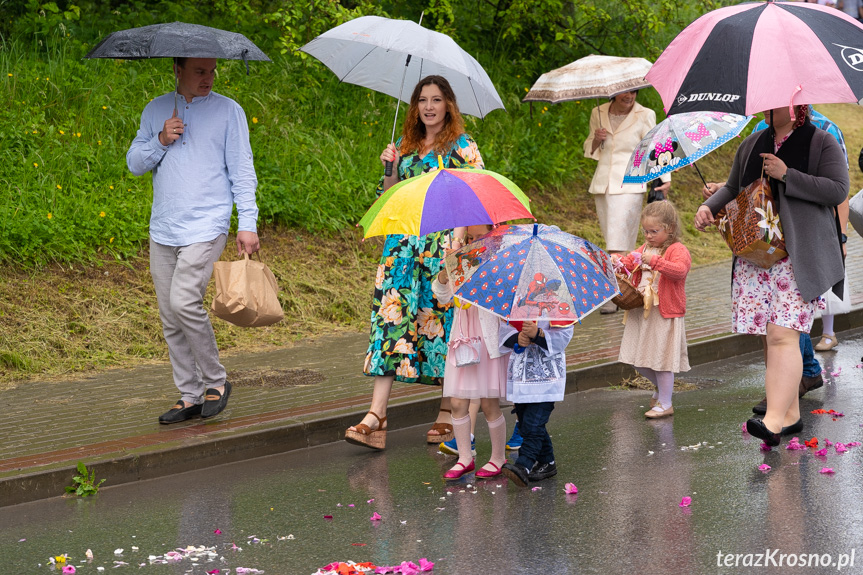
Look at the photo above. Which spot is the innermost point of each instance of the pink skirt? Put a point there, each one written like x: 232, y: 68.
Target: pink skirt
x: 484, y: 379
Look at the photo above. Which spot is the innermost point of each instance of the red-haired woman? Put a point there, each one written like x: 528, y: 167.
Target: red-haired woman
x: 409, y: 327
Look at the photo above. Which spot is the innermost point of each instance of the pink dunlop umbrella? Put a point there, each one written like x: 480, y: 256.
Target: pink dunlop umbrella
x: 758, y: 56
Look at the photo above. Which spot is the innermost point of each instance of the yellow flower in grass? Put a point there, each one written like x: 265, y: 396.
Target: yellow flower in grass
x: 101, y: 214
x: 35, y: 165
x: 111, y: 241
x: 99, y: 142
x: 10, y: 75
x: 62, y: 133
x: 50, y: 215
x: 110, y: 187
x: 59, y: 187
x: 254, y: 120
x: 104, y: 107
x: 78, y: 134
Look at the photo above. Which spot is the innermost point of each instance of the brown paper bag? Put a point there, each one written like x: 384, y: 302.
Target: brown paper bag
x: 246, y: 293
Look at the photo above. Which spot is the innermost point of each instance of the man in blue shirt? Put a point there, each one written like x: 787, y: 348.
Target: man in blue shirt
x: 201, y: 160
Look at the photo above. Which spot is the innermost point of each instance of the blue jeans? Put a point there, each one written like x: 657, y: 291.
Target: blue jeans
x: 536, y: 444
x: 811, y: 367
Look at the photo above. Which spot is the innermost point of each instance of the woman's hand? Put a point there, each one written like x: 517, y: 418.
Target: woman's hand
x: 390, y: 154
x: 773, y: 166
x: 600, y: 135
x: 710, y: 188
x: 703, y: 218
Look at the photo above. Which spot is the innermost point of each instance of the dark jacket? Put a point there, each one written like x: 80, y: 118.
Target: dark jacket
x: 806, y: 210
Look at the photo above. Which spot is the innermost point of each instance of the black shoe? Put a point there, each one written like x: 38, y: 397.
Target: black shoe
x: 215, y: 402
x: 180, y: 413
x: 518, y: 473
x: 761, y: 408
x: 807, y: 384
x: 756, y: 428
x: 793, y: 428
x: 542, y: 471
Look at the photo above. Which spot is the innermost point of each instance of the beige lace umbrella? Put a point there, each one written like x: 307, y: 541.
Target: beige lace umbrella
x: 590, y: 77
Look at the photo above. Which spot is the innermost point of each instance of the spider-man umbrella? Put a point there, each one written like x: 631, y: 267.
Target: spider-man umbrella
x: 533, y: 271
x: 680, y: 140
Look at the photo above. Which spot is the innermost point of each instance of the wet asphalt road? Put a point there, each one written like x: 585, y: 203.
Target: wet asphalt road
x: 631, y: 475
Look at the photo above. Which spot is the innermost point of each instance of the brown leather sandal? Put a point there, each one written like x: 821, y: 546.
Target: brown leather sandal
x: 368, y: 437
x: 444, y: 431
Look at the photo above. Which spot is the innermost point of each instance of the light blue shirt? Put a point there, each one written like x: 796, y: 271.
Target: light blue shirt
x: 198, y: 178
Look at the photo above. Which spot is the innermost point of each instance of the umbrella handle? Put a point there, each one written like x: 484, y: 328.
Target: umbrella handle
x: 388, y: 169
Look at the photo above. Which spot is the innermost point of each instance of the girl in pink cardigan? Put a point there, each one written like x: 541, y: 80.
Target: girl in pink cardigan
x: 654, y: 342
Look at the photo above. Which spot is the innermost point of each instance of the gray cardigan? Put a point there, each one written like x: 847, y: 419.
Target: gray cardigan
x: 806, y: 204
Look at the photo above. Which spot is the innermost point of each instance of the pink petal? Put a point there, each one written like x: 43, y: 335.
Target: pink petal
x: 537, y: 488
x: 827, y: 442
x: 370, y: 501
x: 375, y: 517
x: 351, y: 505
x: 821, y: 452
x: 218, y: 531
x: 68, y: 570
x: 213, y: 572
x: 765, y: 447
x: 744, y: 428
x: 570, y: 488
x: 426, y: 565
x: 764, y: 467
x: 686, y: 502
x: 328, y: 516
x: 826, y: 470
x: 840, y: 448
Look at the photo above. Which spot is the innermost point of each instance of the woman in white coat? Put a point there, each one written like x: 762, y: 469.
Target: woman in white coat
x: 616, y: 127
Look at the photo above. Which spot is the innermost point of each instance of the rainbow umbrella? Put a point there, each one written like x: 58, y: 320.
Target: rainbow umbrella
x: 444, y: 199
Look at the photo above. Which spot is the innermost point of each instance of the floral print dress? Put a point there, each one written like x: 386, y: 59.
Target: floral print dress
x: 409, y: 327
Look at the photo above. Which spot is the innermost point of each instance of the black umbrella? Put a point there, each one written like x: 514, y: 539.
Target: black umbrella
x: 177, y: 40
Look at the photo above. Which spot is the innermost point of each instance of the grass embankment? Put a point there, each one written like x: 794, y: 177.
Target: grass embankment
x: 75, y: 294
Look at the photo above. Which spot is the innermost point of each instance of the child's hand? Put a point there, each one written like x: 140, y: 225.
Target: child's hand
x: 615, y: 256
x: 523, y: 339
x: 529, y: 328
x: 442, y: 277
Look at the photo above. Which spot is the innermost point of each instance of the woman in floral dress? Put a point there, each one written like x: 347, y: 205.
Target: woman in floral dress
x: 409, y: 327
x: 809, y: 178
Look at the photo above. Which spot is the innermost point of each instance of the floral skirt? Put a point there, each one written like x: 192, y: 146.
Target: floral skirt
x: 760, y: 296
x: 409, y: 327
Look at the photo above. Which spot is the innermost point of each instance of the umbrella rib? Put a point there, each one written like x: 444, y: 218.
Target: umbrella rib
x: 366, y: 55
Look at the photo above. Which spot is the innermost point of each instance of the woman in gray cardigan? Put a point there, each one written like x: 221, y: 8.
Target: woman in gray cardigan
x: 809, y: 178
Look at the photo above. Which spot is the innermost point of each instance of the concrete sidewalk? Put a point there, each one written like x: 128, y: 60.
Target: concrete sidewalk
x: 109, y: 421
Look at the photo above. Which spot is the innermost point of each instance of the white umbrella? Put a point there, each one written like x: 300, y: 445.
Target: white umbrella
x: 370, y: 51
x: 590, y: 77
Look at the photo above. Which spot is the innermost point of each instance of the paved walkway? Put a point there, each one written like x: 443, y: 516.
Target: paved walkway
x: 112, y: 417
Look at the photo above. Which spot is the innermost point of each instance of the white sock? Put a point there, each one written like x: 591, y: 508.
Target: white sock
x: 665, y: 384
x: 827, y: 323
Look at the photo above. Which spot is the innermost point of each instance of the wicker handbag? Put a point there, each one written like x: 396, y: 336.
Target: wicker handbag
x: 629, y: 297
x: 750, y: 225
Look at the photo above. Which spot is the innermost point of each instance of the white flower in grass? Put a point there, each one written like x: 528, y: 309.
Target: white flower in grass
x: 770, y: 222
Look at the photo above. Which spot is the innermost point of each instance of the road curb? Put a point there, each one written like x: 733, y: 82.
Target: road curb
x: 298, y: 435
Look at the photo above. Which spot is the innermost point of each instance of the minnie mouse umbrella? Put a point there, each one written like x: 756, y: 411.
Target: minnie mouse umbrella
x: 681, y: 140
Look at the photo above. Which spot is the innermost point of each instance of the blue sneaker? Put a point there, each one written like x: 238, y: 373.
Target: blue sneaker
x: 514, y: 442
x: 449, y: 447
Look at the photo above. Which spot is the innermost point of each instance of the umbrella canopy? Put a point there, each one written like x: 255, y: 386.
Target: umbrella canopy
x: 680, y: 140
x: 370, y: 51
x: 590, y: 77
x: 445, y: 199
x: 533, y: 271
x: 177, y: 40
x: 759, y: 56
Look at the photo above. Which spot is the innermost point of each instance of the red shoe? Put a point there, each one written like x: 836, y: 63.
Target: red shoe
x: 455, y: 473
x: 484, y: 473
